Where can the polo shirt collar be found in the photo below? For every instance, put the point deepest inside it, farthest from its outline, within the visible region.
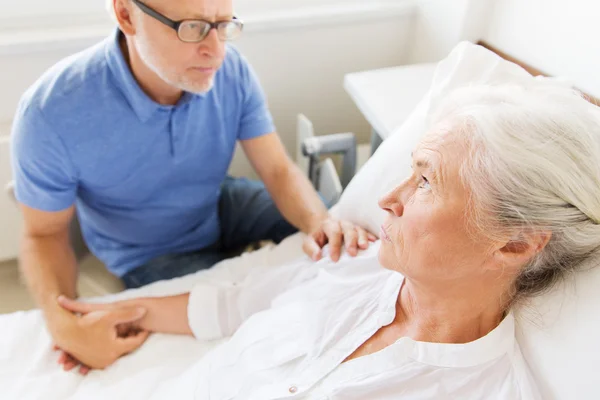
(140, 102)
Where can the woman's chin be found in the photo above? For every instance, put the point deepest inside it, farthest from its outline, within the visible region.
(384, 257)
(388, 259)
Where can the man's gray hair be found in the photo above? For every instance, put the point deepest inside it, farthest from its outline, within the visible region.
(534, 164)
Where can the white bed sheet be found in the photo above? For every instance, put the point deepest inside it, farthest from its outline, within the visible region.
(28, 368)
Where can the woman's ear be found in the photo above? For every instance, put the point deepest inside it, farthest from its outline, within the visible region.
(522, 247)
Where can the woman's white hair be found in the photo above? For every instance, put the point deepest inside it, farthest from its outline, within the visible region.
(534, 163)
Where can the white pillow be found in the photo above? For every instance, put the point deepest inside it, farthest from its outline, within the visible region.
(466, 64)
(559, 332)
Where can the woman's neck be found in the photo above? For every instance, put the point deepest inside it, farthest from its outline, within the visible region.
(452, 314)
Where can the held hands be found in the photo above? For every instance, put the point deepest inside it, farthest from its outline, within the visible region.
(337, 234)
(100, 335)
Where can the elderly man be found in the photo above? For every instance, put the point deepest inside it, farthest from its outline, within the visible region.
(137, 134)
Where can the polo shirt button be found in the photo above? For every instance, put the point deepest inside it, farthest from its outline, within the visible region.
(293, 389)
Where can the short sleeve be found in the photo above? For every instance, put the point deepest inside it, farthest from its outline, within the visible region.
(43, 172)
(256, 119)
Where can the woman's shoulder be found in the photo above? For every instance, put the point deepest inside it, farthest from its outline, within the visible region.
(359, 279)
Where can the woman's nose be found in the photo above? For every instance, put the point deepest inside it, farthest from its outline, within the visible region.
(391, 202)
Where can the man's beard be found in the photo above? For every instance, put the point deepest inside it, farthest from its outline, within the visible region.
(150, 58)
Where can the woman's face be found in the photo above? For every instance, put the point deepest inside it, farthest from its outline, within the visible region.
(426, 234)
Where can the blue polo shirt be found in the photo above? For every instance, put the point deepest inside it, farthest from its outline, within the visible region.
(145, 178)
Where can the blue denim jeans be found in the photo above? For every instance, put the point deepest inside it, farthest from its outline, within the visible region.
(247, 215)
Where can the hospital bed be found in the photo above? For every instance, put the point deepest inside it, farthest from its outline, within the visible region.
(558, 332)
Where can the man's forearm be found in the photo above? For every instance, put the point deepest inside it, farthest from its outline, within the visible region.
(297, 200)
(50, 269)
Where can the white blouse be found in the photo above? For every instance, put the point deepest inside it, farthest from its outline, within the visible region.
(297, 323)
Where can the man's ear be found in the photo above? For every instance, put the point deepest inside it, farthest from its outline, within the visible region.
(522, 247)
(123, 13)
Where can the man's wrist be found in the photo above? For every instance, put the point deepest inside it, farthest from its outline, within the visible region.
(61, 323)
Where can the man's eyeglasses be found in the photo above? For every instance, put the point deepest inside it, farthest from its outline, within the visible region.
(195, 30)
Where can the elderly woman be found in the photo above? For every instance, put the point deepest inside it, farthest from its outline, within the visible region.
(503, 201)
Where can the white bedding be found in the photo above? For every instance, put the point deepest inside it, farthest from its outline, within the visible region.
(28, 368)
(558, 334)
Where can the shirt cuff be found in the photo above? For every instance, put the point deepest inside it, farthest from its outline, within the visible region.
(203, 313)
(256, 128)
(43, 201)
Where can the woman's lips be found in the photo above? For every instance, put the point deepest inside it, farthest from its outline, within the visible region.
(384, 234)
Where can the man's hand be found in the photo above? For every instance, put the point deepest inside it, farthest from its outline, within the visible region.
(100, 336)
(336, 233)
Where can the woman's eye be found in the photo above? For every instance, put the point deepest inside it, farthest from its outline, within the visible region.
(424, 183)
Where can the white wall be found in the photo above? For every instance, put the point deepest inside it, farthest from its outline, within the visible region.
(558, 37)
(10, 224)
(441, 24)
(301, 66)
(302, 70)
(56, 13)
(18, 13)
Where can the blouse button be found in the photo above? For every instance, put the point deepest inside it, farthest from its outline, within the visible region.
(293, 389)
